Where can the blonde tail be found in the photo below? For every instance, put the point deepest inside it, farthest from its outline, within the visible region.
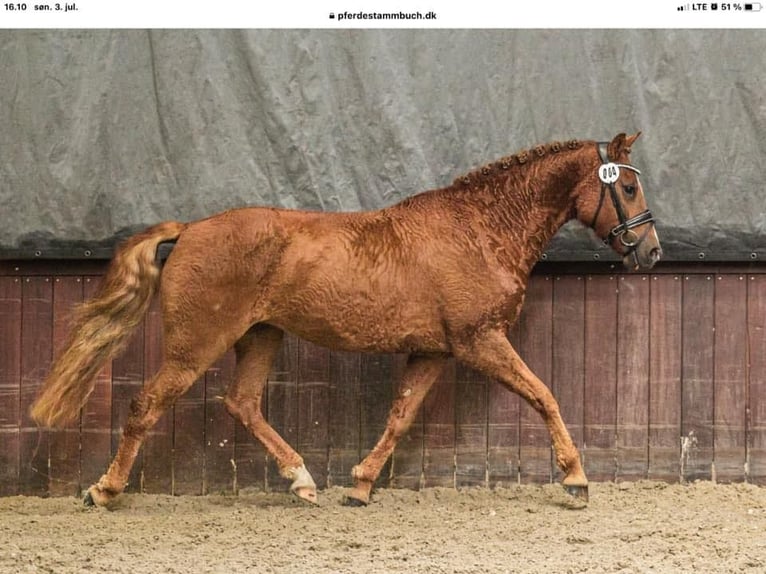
(102, 325)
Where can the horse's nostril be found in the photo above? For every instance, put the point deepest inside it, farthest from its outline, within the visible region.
(655, 254)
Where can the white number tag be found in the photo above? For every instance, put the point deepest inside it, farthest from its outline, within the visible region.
(609, 172)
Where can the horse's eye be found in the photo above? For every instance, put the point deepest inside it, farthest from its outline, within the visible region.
(630, 190)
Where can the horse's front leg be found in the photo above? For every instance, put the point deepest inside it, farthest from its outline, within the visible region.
(493, 355)
(419, 375)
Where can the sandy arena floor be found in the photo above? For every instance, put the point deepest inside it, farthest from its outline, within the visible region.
(629, 527)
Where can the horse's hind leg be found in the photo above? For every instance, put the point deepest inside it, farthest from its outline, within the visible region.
(420, 374)
(493, 355)
(255, 353)
(190, 346)
(171, 381)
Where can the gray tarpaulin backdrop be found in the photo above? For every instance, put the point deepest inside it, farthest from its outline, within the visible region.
(105, 132)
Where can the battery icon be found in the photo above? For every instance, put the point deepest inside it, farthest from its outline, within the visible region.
(754, 7)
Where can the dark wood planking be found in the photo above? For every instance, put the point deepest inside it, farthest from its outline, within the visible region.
(756, 378)
(378, 382)
(697, 377)
(189, 440)
(536, 347)
(471, 432)
(220, 439)
(344, 409)
(439, 430)
(157, 475)
(10, 383)
(254, 469)
(189, 425)
(600, 407)
(406, 466)
(730, 383)
(568, 367)
(56, 267)
(664, 416)
(250, 459)
(64, 443)
(96, 420)
(662, 268)
(36, 351)
(127, 380)
(283, 405)
(633, 377)
(51, 268)
(503, 423)
(665, 377)
(313, 441)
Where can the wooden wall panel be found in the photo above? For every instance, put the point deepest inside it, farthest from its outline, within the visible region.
(127, 381)
(345, 408)
(439, 430)
(536, 347)
(503, 423)
(471, 432)
(697, 394)
(220, 446)
(407, 462)
(730, 387)
(283, 406)
(665, 378)
(756, 379)
(247, 466)
(568, 353)
(36, 350)
(189, 440)
(96, 420)
(10, 383)
(64, 458)
(633, 377)
(157, 474)
(377, 386)
(313, 441)
(599, 448)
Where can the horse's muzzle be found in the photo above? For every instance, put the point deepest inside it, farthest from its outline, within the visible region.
(642, 259)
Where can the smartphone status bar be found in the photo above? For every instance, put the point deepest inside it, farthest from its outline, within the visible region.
(587, 14)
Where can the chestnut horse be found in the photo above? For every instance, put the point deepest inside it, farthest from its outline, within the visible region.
(441, 274)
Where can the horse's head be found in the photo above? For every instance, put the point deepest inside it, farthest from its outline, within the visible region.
(611, 201)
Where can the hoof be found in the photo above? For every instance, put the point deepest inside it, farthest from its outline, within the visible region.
(98, 497)
(303, 485)
(306, 493)
(577, 491)
(353, 502)
(88, 500)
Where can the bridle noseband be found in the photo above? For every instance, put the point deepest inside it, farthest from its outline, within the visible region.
(609, 173)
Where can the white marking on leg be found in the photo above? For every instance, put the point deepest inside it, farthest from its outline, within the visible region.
(301, 478)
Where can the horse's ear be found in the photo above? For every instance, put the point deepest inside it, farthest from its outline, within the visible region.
(621, 144)
(616, 147)
(629, 141)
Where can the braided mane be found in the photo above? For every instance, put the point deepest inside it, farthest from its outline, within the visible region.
(524, 157)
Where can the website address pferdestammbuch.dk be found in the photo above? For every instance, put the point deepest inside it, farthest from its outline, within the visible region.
(382, 16)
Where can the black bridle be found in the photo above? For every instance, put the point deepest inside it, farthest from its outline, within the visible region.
(609, 173)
